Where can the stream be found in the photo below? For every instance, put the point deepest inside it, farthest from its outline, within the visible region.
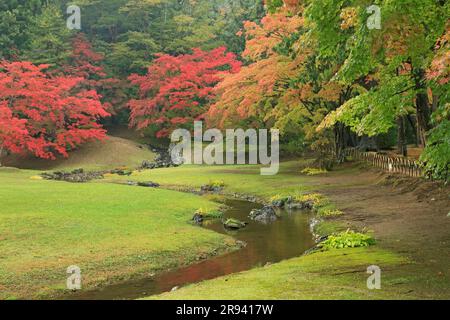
(285, 238)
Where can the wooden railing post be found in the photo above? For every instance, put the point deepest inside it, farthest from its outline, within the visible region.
(387, 163)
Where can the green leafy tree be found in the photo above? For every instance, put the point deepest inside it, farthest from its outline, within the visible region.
(50, 38)
(133, 54)
(389, 64)
(16, 24)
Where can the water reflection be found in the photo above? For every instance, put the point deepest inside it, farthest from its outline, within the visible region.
(288, 237)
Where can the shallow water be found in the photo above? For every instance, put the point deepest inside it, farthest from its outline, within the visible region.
(286, 238)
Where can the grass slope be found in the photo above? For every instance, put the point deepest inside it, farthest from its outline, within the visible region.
(112, 232)
(100, 155)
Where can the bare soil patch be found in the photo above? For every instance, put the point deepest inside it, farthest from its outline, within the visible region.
(408, 216)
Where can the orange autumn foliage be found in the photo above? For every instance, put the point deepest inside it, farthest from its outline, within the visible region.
(440, 66)
(242, 94)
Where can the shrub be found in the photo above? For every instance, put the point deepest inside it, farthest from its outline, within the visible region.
(347, 239)
(318, 203)
(216, 184)
(436, 156)
(316, 199)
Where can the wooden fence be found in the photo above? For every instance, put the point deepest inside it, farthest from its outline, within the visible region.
(391, 164)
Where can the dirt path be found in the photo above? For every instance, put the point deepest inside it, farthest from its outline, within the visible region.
(408, 216)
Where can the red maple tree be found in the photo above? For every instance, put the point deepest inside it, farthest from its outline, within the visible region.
(45, 115)
(86, 63)
(12, 131)
(177, 89)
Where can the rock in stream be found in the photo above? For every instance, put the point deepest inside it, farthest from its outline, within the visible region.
(234, 224)
(266, 214)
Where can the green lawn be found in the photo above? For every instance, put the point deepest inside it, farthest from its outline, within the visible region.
(115, 232)
(245, 179)
(241, 179)
(112, 232)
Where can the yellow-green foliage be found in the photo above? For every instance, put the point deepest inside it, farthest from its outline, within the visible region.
(209, 214)
(278, 197)
(320, 204)
(217, 183)
(201, 212)
(329, 211)
(316, 198)
(313, 171)
(347, 239)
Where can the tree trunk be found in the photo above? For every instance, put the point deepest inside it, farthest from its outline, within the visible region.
(423, 117)
(435, 103)
(402, 147)
(412, 122)
(339, 141)
(1, 154)
(353, 139)
(423, 109)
